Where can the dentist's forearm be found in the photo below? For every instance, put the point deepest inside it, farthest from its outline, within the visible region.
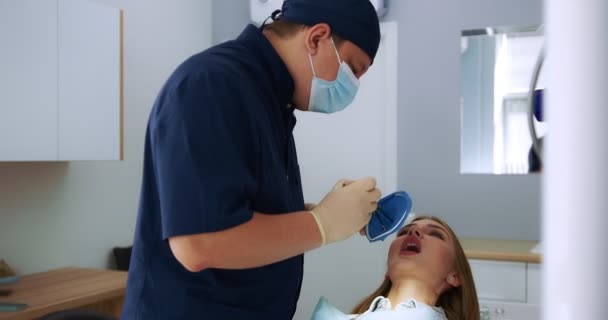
(263, 240)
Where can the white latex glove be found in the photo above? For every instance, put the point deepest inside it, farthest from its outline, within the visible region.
(309, 206)
(344, 183)
(346, 209)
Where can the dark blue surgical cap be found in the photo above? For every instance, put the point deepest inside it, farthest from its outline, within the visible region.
(352, 20)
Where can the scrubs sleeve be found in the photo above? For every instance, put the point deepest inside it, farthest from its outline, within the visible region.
(204, 150)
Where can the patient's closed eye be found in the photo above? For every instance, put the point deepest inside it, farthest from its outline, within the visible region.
(437, 234)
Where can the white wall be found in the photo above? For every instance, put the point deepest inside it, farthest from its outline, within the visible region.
(73, 213)
(229, 18)
(429, 120)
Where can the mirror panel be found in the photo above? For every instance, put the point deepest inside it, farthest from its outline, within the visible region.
(497, 65)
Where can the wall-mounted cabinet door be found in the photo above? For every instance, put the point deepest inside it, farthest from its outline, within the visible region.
(60, 81)
(28, 80)
(90, 81)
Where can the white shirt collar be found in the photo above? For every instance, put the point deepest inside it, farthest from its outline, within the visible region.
(381, 303)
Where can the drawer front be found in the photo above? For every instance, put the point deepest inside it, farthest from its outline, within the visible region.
(492, 310)
(534, 283)
(500, 281)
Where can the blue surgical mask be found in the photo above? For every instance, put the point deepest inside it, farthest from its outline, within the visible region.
(333, 96)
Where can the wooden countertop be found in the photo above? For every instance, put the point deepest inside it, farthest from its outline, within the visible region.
(502, 250)
(63, 289)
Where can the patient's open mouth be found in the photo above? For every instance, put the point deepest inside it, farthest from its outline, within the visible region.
(411, 245)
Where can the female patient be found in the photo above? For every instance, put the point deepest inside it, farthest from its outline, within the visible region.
(428, 271)
(428, 278)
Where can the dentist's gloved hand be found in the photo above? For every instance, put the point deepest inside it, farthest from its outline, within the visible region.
(310, 206)
(346, 209)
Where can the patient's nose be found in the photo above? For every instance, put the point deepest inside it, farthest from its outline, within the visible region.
(414, 232)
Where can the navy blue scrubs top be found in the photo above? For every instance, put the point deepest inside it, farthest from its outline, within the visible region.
(219, 146)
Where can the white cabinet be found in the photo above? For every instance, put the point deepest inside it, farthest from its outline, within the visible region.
(60, 81)
(507, 290)
(28, 80)
(89, 81)
(534, 283)
(497, 310)
(504, 281)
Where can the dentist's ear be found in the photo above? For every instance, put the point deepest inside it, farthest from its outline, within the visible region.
(453, 280)
(314, 35)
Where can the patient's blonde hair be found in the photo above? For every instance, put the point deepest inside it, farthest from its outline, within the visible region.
(459, 303)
